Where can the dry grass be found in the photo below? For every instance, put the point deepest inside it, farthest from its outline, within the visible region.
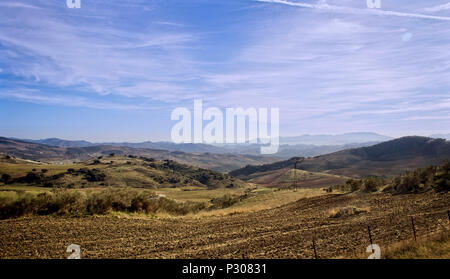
(197, 194)
(264, 199)
(346, 211)
(17, 170)
(436, 246)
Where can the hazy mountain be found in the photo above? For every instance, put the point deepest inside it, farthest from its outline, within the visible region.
(184, 147)
(46, 153)
(387, 158)
(61, 143)
(285, 150)
(341, 139)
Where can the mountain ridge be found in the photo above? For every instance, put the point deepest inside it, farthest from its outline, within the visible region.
(386, 158)
(46, 153)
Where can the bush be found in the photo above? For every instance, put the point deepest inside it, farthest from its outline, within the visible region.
(31, 178)
(354, 184)
(71, 202)
(6, 178)
(227, 200)
(372, 184)
(346, 211)
(92, 175)
(422, 180)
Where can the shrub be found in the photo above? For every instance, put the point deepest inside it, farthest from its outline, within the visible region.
(346, 211)
(31, 178)
(354, 184)
(371, 184)
(92, 175)
(6, 178)
(227, 200)
(70, 202)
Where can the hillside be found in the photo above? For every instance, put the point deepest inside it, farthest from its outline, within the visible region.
(387, 158)
(288, 178)
(46, 153)
(115, 171)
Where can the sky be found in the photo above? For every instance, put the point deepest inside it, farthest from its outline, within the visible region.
(115, 70)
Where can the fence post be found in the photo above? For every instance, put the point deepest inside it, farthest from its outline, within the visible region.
(314, 246)
(413, 228)
(370, 235)
(448, 213)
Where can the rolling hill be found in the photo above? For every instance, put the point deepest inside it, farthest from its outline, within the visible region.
(387, 158)
(46, 153)
(115, 171)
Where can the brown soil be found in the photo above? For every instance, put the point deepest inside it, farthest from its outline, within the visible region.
(284, 232)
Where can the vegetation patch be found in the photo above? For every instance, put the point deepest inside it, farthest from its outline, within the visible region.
(346, 211)
(72, 202)
(420, 180)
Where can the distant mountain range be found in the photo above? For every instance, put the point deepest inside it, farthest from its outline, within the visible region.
(340, 139)
(317, 140)
(306, 145)
(386, 158)
(47, 153)
(342, 159)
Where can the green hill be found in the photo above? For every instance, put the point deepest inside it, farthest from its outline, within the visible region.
(115, 171)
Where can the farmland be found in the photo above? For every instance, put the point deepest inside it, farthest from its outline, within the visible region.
(281, 232)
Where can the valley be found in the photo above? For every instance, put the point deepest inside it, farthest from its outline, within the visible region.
(120, 205)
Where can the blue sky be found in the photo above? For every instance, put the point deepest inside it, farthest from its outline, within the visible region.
(114, 70)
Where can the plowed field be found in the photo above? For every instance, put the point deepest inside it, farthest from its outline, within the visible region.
(283, 232)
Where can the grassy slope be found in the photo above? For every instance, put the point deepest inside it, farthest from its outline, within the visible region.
(286, 178)
(387, 158)
(123, 171)
(434, 247)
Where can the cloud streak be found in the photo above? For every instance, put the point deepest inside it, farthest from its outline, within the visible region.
(438, 8)
(348, 10)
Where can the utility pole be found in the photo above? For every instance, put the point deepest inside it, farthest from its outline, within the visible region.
(295, 174)
(297, 161)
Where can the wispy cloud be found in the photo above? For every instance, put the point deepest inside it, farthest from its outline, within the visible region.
(438, 8)
(18, 5)
(34, 96)
(95, 57)
(329, 66)
(348, 10)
